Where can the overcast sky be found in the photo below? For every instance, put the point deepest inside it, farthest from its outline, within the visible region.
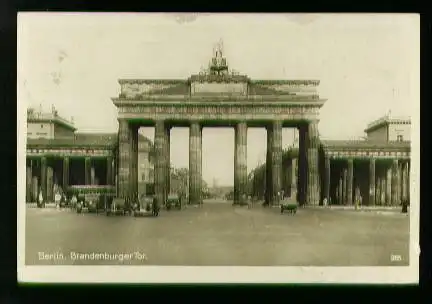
(73, 61)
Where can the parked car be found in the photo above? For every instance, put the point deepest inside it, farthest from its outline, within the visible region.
(173, 201)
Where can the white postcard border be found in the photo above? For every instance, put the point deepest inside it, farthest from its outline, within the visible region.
(165, 274)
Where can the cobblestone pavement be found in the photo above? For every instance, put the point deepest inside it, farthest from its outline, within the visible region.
(218, 234)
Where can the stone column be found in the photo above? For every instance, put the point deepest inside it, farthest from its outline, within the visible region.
(65, 173)
(29, 177)
(167, 142)
(35, 189)
(194, 163)
(92, 176)
(294, 178)
(50, 184)
(109, 173)
(160, 163)
(276, 160)
(388, 186)
(344, 186)
(313, 189)
(395, 183)
(114, 171)
(350, 181)
(123, 159)
(302, 164)
(401, 181)
(200, 166)
(372, 182)
(378, 192)
(408, 168)
(268, 168)
(383, 191)
(405, 180)
(43, 178)
(327, 170)
(240, 162)
(133, 162)
(87, 170)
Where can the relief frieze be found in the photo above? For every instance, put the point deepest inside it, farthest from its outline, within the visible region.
(220, 112)
(136, 89)
(69, 152)
(368, 154)
(214, 88)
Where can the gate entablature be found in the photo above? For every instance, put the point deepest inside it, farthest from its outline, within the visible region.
(218, 87)
(217, 93)
(201, 98)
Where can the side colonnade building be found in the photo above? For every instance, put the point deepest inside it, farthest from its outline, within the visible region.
(375, 170)
(59, 159)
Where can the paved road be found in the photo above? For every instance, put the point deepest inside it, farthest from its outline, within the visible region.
(219, 234)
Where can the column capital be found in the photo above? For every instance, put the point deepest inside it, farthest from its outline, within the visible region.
(277, 123)
(160, 123)
(194, 122)
(123, 122)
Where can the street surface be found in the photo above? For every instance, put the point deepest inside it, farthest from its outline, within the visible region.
(219, 235)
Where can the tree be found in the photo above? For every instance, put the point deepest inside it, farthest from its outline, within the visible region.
(180, 182)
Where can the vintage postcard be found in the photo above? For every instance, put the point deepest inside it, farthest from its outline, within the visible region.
(225, 148)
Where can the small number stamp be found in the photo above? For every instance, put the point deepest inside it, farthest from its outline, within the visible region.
(395, 258)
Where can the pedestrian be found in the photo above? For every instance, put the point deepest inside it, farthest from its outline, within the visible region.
(405, 205)
(57, 199)
(74, 201)
(40, 199)
(249, 202)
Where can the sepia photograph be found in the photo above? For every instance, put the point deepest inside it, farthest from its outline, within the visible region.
(224, 148)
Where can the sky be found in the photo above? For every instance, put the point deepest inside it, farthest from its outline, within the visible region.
(73, 61)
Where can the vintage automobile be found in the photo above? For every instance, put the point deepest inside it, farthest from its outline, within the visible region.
(142, 206)
(151, 206)
(89, 202)
(91, 198)
(64, 202)
(173, 201)
(118, 206)
(288, 205)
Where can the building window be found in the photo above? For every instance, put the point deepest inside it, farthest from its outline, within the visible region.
(400, 138)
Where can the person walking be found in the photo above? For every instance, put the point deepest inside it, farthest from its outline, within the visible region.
(57, 199)
(41, 199)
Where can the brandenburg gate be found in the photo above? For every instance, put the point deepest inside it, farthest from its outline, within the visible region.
(219, 98)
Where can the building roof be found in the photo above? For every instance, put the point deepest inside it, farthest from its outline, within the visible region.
(102, 140)
(386, 120)
(365, 144)
(49, 117)
(78, 140)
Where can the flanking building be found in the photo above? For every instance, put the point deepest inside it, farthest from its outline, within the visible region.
(60, 158)
(375, 169)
